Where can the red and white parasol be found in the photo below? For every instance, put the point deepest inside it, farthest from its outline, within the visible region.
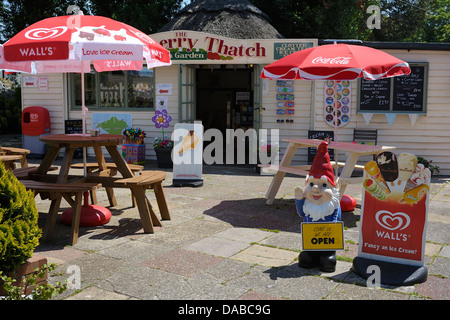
(70, 43)
(336, 62)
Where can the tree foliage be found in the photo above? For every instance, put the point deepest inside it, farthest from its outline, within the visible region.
(401, 20)
(147, 16)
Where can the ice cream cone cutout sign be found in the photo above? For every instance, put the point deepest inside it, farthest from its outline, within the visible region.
(319, 202)
(190, 142)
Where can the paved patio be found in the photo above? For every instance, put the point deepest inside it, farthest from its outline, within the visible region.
(224, 242)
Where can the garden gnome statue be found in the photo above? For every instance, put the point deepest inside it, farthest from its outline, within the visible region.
(319, 201)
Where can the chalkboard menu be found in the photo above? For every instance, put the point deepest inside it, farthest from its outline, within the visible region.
(321, 135)
(375, 94)
(402, 93)
(409, 90)
(74, 126)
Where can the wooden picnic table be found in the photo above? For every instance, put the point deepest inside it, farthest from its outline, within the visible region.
(70, 142)
(353, 152)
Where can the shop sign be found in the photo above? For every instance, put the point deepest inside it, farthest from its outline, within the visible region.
(322, 236)
(394, 209)
(205, 48)
(281, 50)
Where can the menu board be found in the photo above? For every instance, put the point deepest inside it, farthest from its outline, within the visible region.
(409, 90)
(74, 126)
(401, 93)
(321, 135)
(375, 94)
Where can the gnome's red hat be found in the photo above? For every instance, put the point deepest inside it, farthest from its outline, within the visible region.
(321, 165)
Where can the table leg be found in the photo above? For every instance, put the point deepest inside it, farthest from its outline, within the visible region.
(347, 171)
(75, 229)
(143, 208)
(51, 219)
(279, 176)
(122, 166)
(161, 199)
(65, 165)
(49, 158)
(102, 166)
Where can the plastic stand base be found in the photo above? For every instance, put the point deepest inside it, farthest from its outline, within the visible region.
(187, 183)
(391, 273)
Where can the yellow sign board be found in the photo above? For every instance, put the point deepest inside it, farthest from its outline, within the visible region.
(323, 236)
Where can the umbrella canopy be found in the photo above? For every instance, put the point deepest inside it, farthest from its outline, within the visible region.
(73, 38)
(70, 43)
(336, 62)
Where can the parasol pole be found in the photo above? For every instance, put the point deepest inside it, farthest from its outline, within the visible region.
(336, 168)
(83, 116)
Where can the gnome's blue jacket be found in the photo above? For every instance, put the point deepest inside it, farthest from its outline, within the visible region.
(334, 217)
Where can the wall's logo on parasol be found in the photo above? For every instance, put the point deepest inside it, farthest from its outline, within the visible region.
(335, 60)
(144, 37)
(392, 221)
(45, 33)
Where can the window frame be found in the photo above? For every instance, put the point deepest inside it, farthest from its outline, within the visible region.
(391, 94)
(97, 107)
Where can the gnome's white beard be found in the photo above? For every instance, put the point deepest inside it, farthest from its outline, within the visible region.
(320, 211)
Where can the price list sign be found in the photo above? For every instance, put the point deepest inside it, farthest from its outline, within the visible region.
(398, 94)
(409, 90)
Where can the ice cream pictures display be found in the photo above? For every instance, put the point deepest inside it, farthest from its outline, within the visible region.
(394, 208)
(337, 94)
(395, 178)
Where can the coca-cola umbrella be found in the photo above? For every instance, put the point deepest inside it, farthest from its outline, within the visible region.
(69, 44)
(336, 62)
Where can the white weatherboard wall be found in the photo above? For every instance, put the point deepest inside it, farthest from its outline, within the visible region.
(53, 100)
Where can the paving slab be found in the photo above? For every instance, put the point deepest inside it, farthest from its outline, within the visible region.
(217, 246)
(266, 256)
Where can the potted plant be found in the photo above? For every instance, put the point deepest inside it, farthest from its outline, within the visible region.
(133, 149)
(427, 164)
(163, 146)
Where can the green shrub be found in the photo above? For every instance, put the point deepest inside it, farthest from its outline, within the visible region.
(19, 231)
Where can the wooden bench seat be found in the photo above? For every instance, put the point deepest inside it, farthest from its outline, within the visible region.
(55, 191)
(9, 160)
(91, 166)
(149, 180)
(112, 167)
(19, 152)
(24, 173)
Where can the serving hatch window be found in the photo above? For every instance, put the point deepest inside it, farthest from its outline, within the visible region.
(114, 90)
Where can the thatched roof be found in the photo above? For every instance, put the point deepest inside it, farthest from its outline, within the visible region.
(238, 19)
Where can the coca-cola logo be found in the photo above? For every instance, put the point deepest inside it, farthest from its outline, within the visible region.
(335, 60)
(392, 221)
(45, 33)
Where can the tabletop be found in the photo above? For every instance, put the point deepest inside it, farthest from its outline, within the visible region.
(78, 140)
(344, 146)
